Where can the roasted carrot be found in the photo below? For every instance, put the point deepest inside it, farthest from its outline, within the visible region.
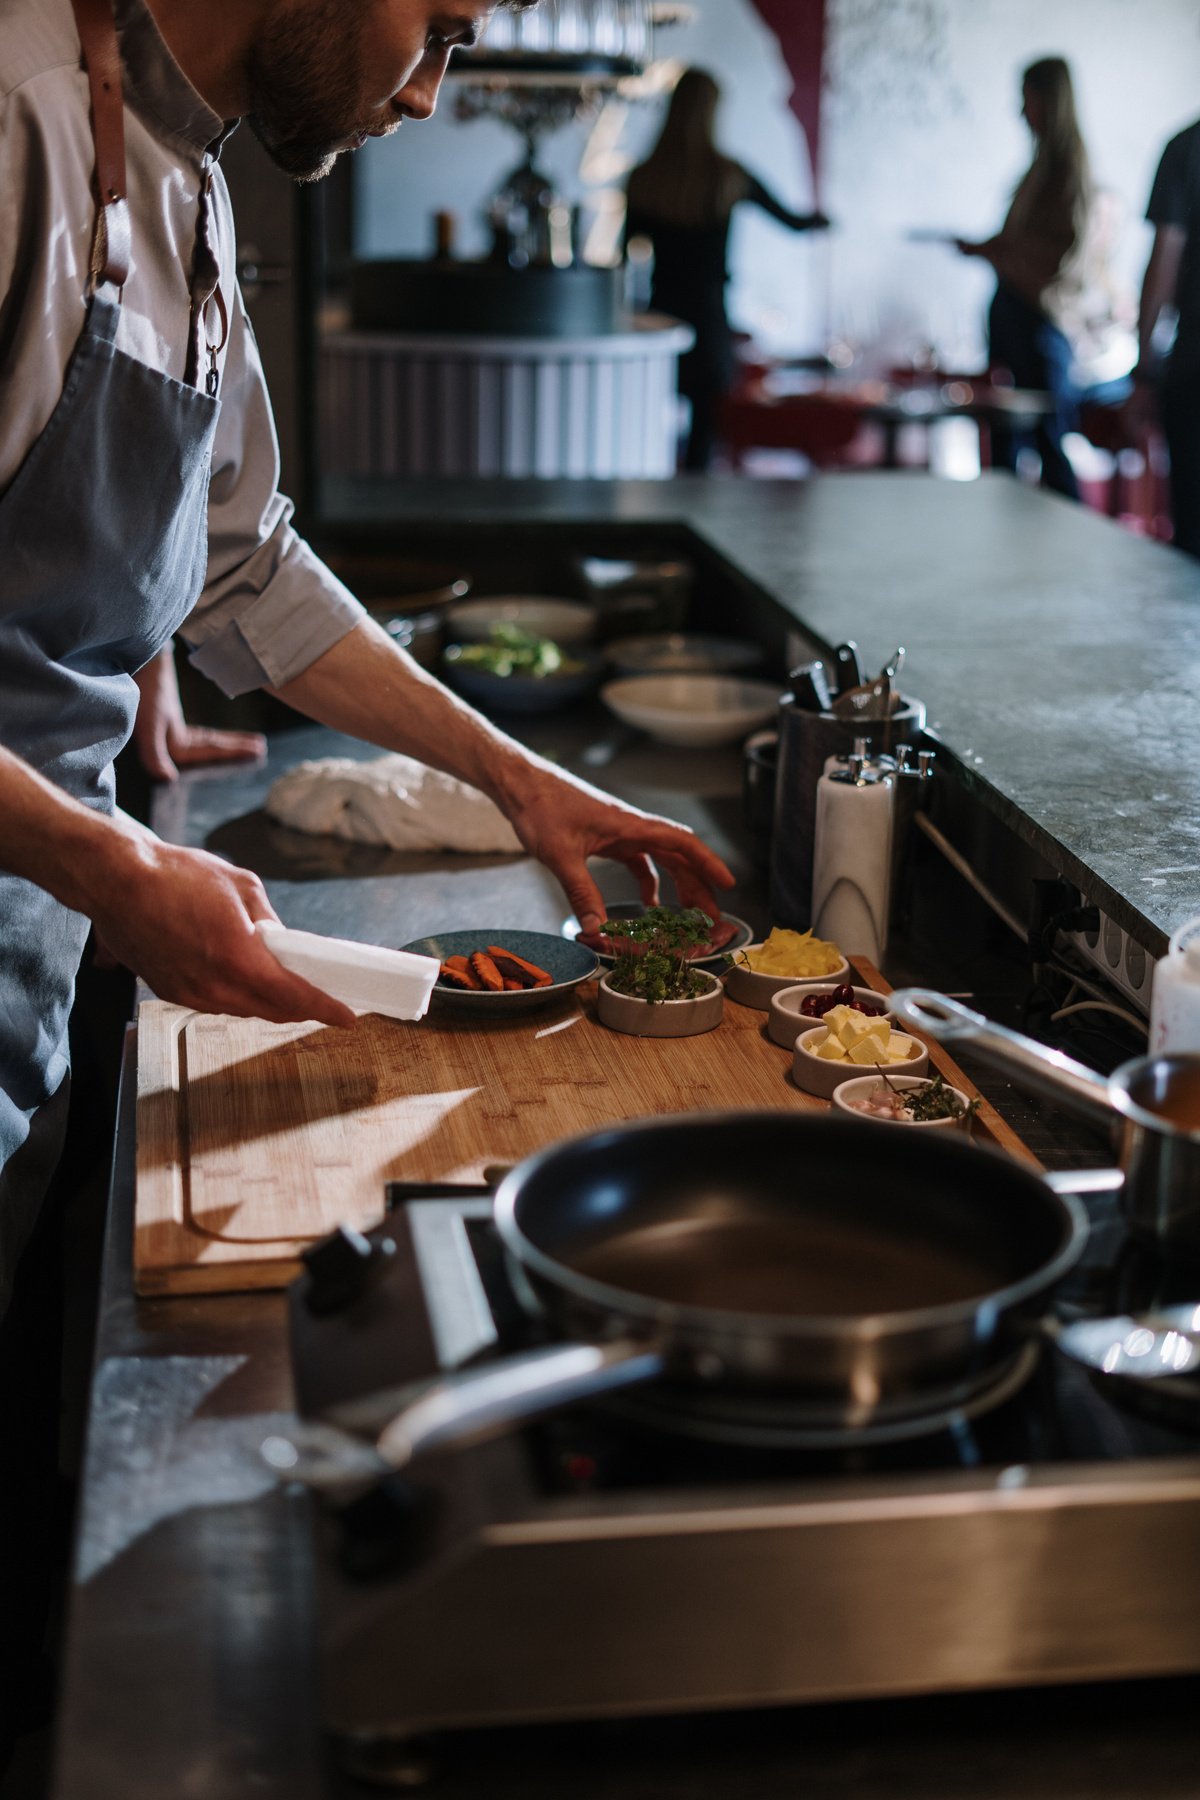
(486, 972)
(511, 973)
(510, 984)
(527, 973)
(456, 976)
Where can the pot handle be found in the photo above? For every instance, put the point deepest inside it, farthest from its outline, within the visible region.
(1033, 1065)
(458, 1409)
(475, 1404)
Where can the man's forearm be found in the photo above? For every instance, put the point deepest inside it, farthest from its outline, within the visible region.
(180, 918)
(53, 840)
(369, 688)
(366, 686)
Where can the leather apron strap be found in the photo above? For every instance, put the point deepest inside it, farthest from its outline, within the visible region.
(113, 246)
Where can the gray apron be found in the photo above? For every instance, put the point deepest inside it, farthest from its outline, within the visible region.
(103, 547)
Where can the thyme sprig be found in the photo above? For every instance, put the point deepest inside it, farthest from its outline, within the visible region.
(935, 1100)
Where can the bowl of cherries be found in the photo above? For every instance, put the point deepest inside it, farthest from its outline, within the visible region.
(797, 1009)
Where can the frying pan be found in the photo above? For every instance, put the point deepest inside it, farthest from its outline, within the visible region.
(844, 1268)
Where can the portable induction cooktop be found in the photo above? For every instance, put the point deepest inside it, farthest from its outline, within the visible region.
(659, 1552)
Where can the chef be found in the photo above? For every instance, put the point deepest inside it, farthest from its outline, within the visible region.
(138, 498)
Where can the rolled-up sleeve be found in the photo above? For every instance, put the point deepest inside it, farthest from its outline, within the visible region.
(270, 607)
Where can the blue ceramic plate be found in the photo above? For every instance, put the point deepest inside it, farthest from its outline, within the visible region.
(568, 963)
(631, 909)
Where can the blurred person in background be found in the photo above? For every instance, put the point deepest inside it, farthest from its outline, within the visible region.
(682, 199)
(1043, 256)
(1169, 384)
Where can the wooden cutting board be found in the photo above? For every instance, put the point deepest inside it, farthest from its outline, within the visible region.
(255, 1139)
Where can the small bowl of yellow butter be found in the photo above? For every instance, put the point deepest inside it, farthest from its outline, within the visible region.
(784, 959)
(848, 1043)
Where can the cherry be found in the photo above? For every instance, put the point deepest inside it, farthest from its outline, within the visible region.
(815, 1006)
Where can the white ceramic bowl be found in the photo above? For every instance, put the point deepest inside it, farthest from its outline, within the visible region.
(785, 1021)
(566, 621)
(816, 1076)
(681, 653)
(749, 988)
(666, 1018)
(860, 1086)
(692, 710)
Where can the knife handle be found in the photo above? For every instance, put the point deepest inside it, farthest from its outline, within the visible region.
(847, 668)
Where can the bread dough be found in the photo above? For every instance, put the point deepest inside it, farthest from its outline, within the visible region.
(392, 801)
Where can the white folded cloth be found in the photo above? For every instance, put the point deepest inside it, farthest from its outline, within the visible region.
(393, 801)
(366, 977)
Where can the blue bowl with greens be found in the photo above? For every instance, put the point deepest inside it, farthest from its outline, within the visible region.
(516, 671)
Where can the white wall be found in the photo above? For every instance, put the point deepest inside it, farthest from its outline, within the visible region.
(921, 129)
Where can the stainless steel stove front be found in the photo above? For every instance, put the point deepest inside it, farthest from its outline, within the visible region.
(485, 1598)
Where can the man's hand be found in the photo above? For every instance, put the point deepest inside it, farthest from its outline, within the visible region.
(366, 686)
(181, 919)
(163, 739)
(562, 821)
(184, 921)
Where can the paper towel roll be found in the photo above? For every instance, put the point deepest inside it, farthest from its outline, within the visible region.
(852, 861)
(365, 977)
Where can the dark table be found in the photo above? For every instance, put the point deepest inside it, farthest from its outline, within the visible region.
(819, 418)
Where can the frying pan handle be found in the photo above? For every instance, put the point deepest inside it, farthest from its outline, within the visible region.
(481, 1403)
(1024, 1060)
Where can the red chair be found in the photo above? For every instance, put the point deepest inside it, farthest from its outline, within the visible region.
(820, 428)
(1137, 491)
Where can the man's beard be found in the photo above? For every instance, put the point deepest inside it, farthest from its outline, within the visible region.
(306, 82)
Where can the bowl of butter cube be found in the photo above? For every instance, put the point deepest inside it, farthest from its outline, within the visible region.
(848, 1042)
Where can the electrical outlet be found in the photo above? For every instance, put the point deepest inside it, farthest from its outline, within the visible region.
(1121, 960)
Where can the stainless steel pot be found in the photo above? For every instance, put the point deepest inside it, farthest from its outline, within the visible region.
(1152, 1102)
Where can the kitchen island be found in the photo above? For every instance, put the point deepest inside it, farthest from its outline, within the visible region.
(1057, 654)
(190, 1666)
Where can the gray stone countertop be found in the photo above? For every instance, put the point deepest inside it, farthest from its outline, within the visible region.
(1058, 654)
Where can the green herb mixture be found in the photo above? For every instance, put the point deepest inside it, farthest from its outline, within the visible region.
(511, 651)
(937, 1101)
(651, 953)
